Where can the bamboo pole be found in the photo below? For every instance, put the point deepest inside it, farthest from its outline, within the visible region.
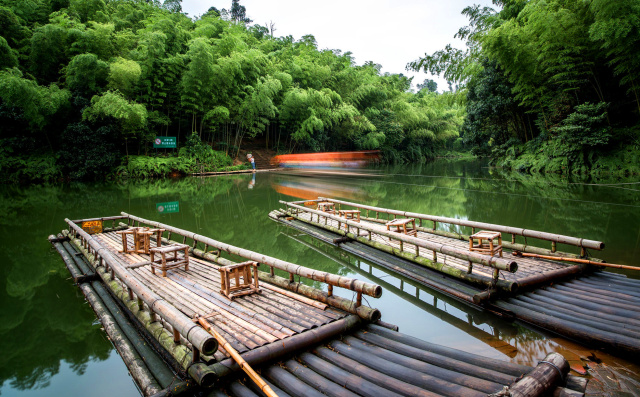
(579, 242)
(429, 376)
(356, 384)
(139, 371)
(289, 345)
(290, 383)
(316, 275)
(241, 362)
(575, 260)
(480, 362)
(576, 331)
(549, 372)
(324, 384)
(490, 261)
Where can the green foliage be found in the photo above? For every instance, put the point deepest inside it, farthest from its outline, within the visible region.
(36, 103)
(540, 72)
(131, 116)
(88, 153)
(86, 74)
(19, 167)
(124, 75)
(586, 127)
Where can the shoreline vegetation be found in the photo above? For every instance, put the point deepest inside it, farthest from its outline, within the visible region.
(87, 86)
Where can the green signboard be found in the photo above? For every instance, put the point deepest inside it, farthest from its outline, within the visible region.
(165, 142)
(168, 207)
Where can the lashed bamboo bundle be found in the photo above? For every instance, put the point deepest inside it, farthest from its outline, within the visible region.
(555, 238)
(490, 261)
(316, 275)
(197, 336)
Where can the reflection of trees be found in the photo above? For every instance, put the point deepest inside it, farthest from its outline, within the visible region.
(43, 318)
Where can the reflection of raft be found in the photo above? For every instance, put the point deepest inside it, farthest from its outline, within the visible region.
(598, 308)
(335, 346)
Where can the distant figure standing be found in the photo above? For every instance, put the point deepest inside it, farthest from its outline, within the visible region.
(252, 161)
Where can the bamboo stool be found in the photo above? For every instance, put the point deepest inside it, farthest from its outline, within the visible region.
(248, 284)
(401, 226)
(326, 206)
(350, 214)
(123, 234)
(485, 242)
(165, 263)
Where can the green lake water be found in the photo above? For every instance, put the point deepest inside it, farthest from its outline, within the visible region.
(52, 345)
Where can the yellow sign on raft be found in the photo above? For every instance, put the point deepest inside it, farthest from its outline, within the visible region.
(92, 227)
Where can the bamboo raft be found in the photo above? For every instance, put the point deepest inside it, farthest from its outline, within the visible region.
(301, 341)
(573, 299)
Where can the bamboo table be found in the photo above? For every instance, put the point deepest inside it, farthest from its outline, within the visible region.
(327, 206)
(141, 239)
(248, 285)
(165, 263)
(401, 226)
(485, 242)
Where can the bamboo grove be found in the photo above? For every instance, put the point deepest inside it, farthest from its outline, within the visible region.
(84, 84)
(552, 85)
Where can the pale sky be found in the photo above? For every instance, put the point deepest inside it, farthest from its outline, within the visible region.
(390, 33)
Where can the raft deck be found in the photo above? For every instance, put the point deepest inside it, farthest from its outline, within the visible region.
(597, 308)
(335, 352)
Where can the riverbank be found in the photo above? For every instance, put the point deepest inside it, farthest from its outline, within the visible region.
(550, 158)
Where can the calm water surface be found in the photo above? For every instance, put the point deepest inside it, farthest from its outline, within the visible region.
(50, 340)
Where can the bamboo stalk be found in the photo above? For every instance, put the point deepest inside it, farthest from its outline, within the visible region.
(575, 260)
(356, 384)
(372, 375)
(290, 383)
(130, 356)
(241, 362)
(428, 376)
(316, 275)
(473, 359)
(545, 375)
(579, 242)
(319, 382)
(289, 345)
(316, 304)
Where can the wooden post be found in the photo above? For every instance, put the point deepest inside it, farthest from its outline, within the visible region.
(241, 362)
(176, 336)
(359, 299)
(329, 290)
(553, 246)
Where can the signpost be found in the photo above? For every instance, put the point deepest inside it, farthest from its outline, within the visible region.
(92, 227)
(165, 142)
(168, 207)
